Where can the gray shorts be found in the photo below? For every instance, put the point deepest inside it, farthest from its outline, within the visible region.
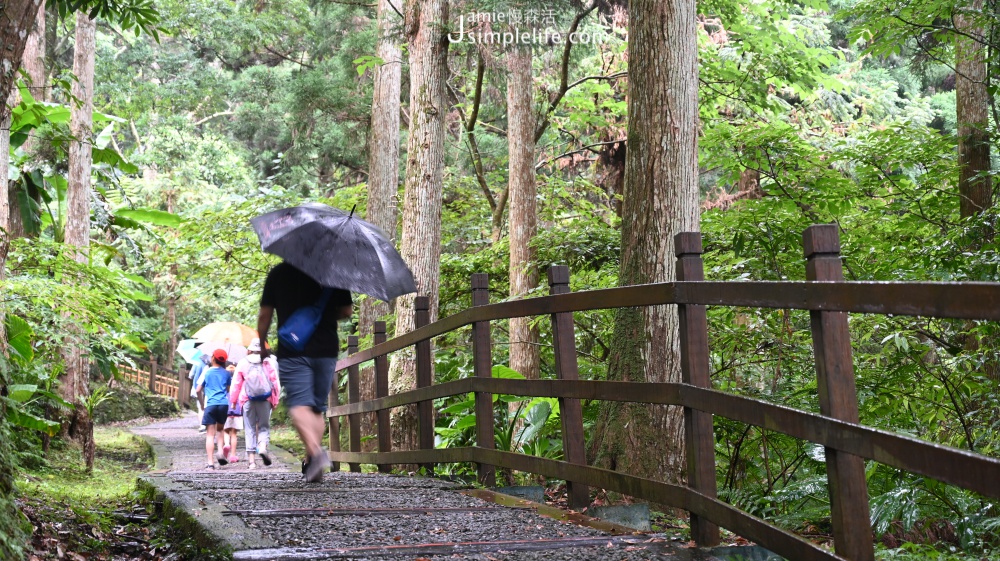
(306, 381)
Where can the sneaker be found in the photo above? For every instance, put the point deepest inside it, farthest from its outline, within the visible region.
(221, 459)
(251, 465)
(225, 450)
(305, 464)
(233, 459)
(209, 466)
(265, 457)
(201, 428)
(316, 467)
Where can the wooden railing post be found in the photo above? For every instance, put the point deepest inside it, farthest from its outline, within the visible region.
(181, 387)
(152, 374)
(333, 400)
(482, 350)
(382, 390)
(425, 378)
(699, 436)
(570, 410)
(354, 396)
(852, 531)
(183, 390)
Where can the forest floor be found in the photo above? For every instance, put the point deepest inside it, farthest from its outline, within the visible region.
(98, 516)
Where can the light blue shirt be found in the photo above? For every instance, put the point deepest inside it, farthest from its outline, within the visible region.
(216, 381)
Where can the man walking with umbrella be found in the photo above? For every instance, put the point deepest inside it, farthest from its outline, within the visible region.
(322, 247)
(306, 373)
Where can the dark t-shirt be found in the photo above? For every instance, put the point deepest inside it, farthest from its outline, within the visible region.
(288, 289)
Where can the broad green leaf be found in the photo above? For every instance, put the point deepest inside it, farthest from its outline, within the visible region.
(19, 336)
(29, 421)
(151, 216)
(140, 296)
(460, 407)
(104, 137)
(22, 393)
(501, 371)
(138, 279)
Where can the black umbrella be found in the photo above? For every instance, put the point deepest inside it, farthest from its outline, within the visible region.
(336, 249)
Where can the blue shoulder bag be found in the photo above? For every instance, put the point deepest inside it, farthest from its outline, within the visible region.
(301, 325)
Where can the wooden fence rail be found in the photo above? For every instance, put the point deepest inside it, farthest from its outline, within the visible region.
(157, 379)
(836, 427)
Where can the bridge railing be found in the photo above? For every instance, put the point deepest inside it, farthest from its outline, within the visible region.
(848, 443)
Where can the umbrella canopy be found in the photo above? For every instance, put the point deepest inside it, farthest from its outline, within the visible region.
(226, 331)
(187, 350)
(235, 351)
(336, 249)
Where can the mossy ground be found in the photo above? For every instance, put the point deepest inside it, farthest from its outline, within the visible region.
(99, 515)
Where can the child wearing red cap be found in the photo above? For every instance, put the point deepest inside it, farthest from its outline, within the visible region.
(215, 383)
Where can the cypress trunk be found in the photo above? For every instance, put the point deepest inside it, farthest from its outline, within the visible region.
(972, 104)
(660, 199)
(383, 174)
(33, 63)
(74, 381)
(426, 22)
(523, 216)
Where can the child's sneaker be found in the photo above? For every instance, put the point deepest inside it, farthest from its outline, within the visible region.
(233, 459)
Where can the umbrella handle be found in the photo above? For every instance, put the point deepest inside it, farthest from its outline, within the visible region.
(352, 210)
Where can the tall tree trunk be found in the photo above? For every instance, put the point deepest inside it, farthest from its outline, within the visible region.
(972, 103)
(4, 217)
(421, 243)
(383, 172)
(16, 20)
(523, 217)
(172, 290)
(33, 62)
(660, 199)
(74, 386)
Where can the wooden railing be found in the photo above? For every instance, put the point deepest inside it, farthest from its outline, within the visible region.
(847, 442)
(157, 379)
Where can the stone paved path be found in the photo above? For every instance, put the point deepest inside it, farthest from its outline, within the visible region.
(272, 514)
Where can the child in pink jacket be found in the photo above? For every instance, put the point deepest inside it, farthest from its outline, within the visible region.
(255, 387)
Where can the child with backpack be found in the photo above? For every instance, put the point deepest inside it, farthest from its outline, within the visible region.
(255, 387)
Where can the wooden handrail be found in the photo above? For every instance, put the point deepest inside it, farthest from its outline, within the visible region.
(975, 300)
(958, 467)
(847, 442)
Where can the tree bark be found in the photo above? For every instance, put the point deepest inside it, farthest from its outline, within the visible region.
(33, 62)
(972, 104)
(16, 20)
(74, 387)
(172, 290)
(383, 173)
(15, 25)
(523, 216)
(660, 199)
(4, 217)
(421, 242)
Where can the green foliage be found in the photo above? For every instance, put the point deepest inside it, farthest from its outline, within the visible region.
(13, 526)
(840, 112)
(138, 15)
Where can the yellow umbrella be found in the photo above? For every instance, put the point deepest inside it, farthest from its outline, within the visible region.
(226, 332)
